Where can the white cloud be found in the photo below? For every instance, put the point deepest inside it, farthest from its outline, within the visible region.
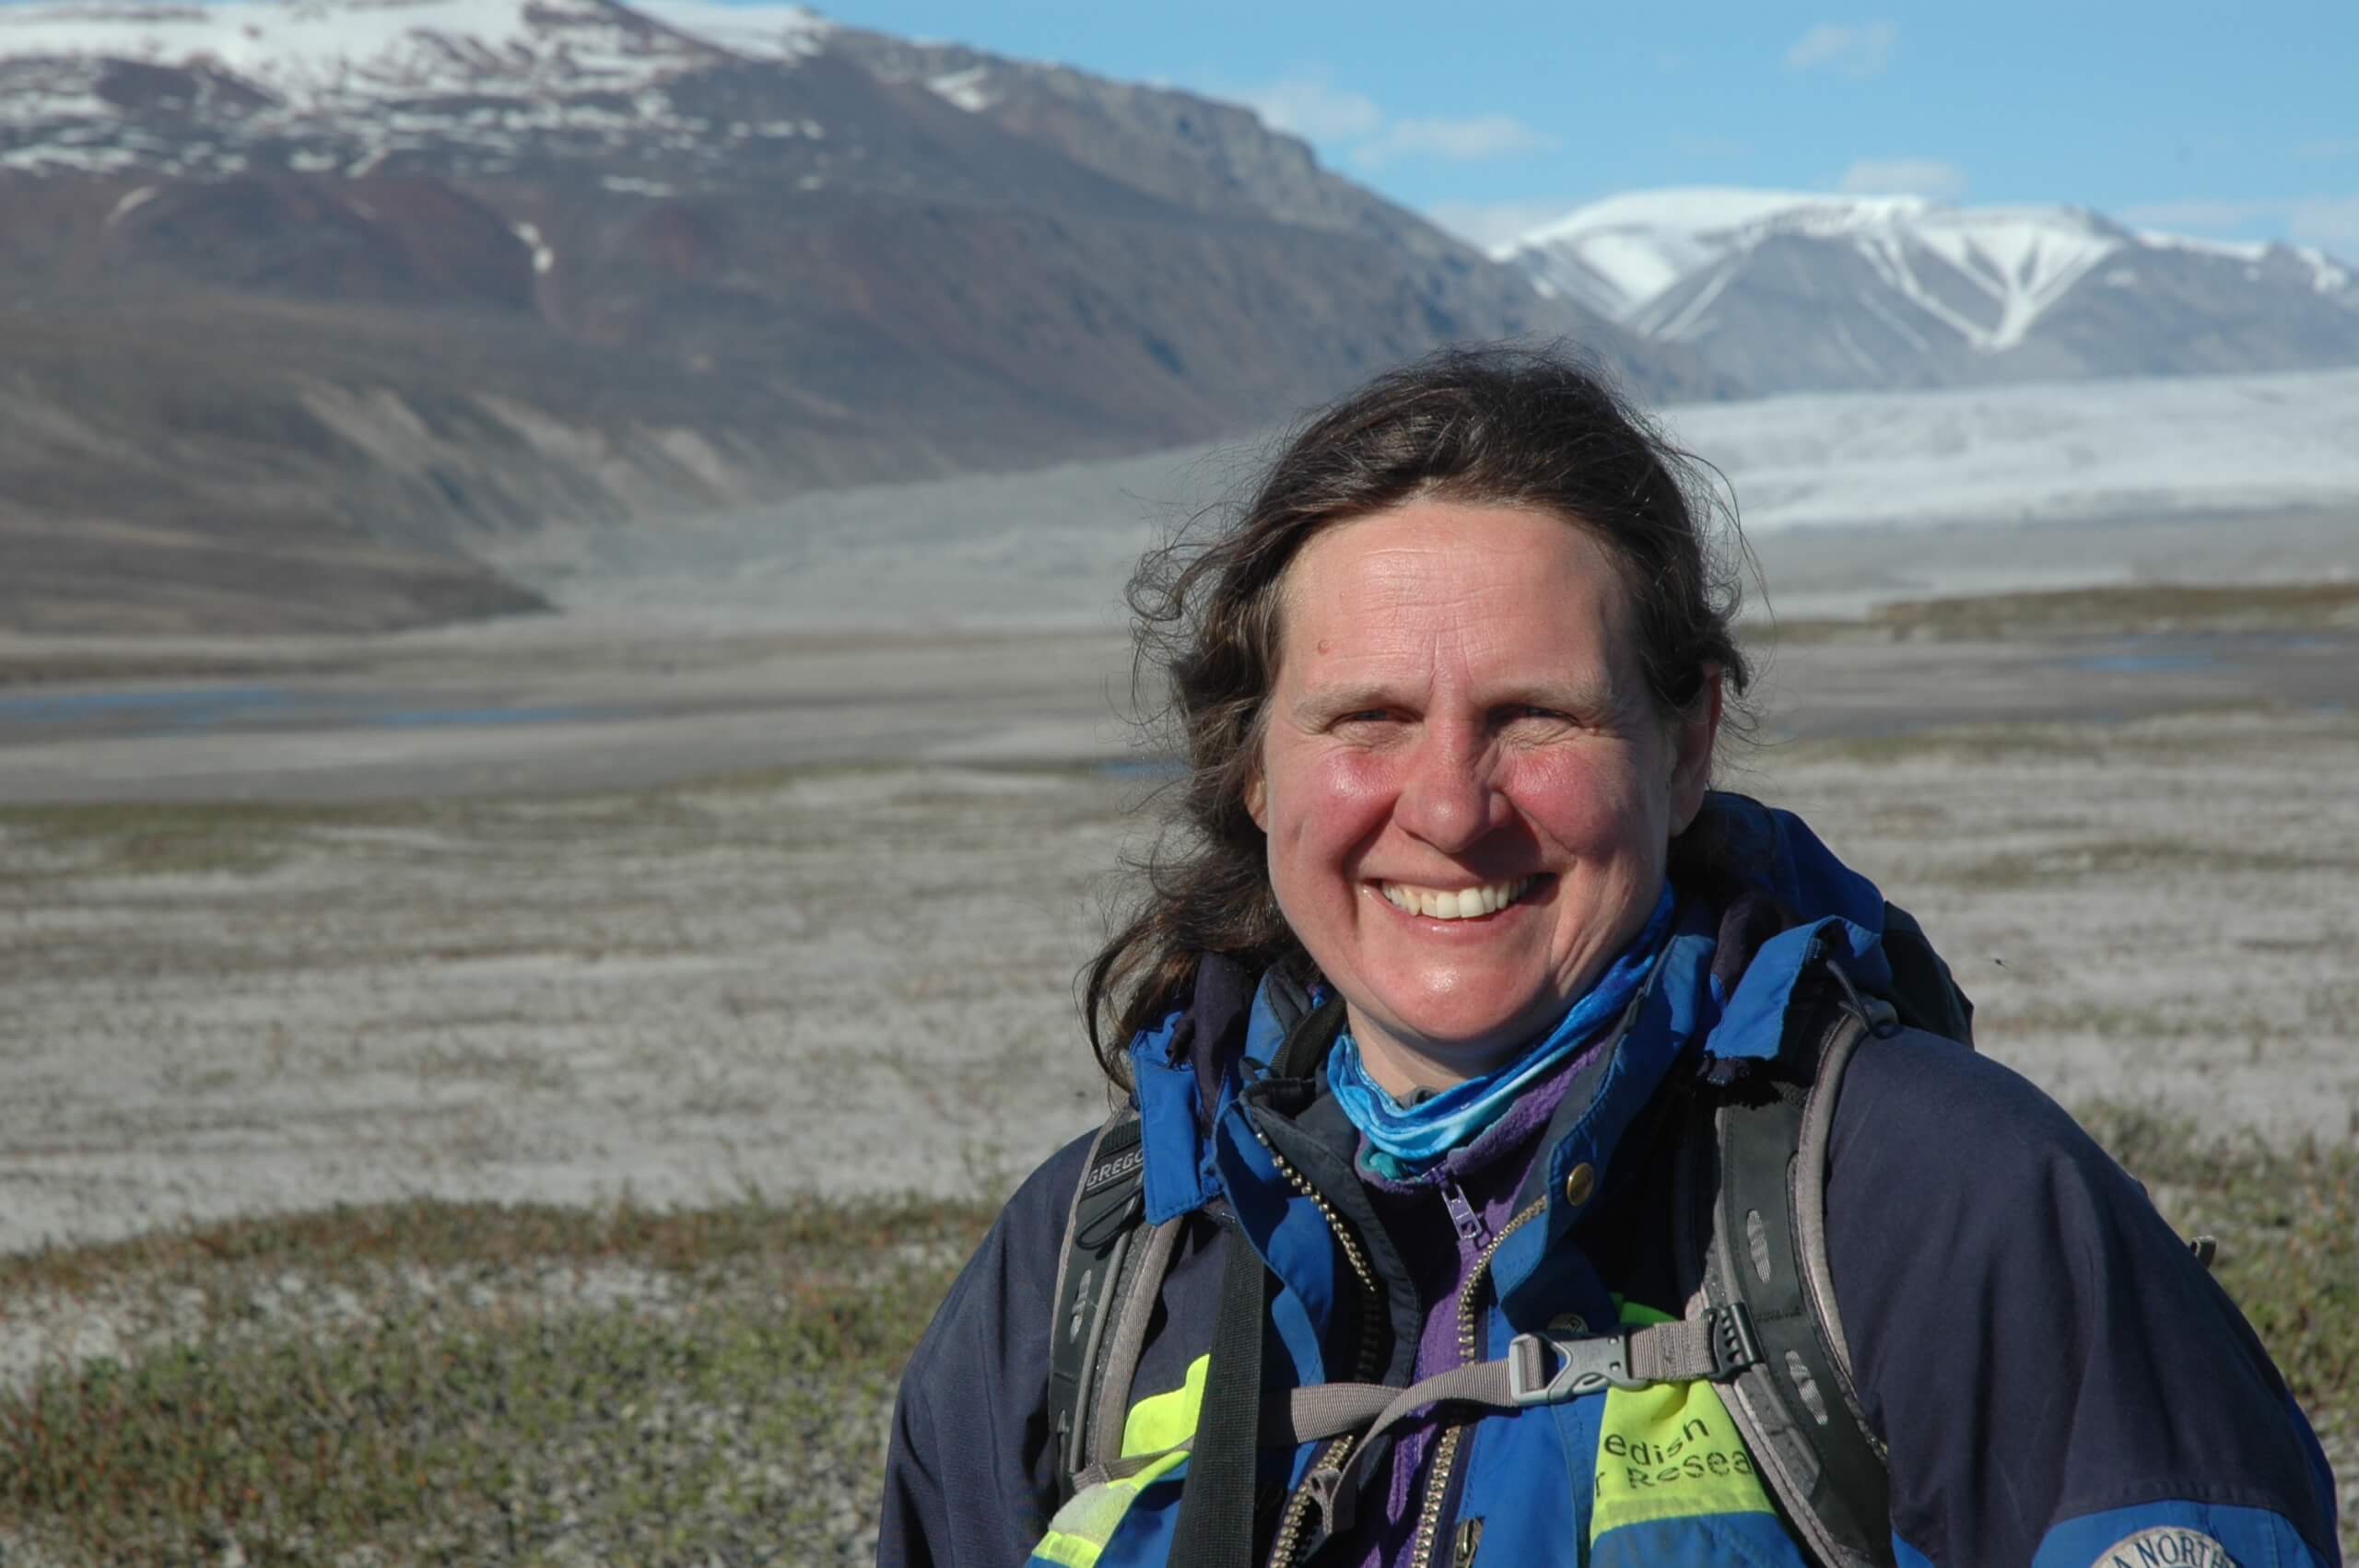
(1488, 224)
(2331, 222)
(1854, 51)
(1480, 135)
(1903, 175)
(1311, 106)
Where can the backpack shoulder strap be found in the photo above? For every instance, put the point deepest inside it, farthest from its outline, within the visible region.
(1107, 1279)
(1753, 1170)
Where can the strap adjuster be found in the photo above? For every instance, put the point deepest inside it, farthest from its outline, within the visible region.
(1583, 1365)
(1735, 1344)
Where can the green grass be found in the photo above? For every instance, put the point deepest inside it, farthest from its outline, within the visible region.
(415, 1383)
(246, 837)
(164, 839)
(57, 841)
(2073, 864)
(404, 1384)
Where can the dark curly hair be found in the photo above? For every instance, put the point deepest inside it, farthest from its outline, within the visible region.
(1506, 427)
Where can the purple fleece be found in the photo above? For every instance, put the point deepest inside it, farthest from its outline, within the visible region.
(1489, 1172)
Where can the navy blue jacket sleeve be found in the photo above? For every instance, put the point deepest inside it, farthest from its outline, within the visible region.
(2060, 1381)
(970, 1481)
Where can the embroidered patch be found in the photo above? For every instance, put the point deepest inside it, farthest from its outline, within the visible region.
(1669, 1451)
(2165, 1546)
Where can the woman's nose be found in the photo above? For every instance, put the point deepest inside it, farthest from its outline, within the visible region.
(1450, 797)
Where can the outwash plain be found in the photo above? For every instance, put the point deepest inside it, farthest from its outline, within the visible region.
(513, 1093)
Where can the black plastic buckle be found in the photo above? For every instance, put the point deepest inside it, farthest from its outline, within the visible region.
(1735, 1345)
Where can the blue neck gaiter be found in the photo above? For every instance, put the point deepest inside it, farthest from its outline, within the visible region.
(1407, 1141)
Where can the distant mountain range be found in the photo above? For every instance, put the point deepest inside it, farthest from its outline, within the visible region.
(307, 301)
(1787, 291)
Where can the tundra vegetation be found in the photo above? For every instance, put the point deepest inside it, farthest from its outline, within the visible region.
(564, 1179)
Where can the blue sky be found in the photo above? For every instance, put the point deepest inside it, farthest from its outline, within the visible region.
(2234, 121)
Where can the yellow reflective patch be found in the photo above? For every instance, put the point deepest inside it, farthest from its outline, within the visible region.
(1156, 1426)
(1083, 1526)
(1070, 1550)
(1669, 1452)
(1166, 1421)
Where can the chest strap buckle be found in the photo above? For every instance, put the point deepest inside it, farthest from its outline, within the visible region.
(1583, 1365)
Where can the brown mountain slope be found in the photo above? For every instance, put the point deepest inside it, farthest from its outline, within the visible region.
(271, 366)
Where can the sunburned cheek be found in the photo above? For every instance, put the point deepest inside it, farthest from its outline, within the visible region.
(1349, 781)
(1580, 800)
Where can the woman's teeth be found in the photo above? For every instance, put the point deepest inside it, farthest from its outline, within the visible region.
(1440, 904)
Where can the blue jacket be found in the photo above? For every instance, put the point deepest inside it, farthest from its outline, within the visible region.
(2057, 1381)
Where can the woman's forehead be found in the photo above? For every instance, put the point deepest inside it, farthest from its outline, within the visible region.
(1492, 576)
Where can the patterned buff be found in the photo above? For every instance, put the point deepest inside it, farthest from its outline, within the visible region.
(1407, 1141)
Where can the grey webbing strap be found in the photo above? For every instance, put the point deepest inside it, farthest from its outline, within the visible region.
(1119, 1363)
(1325, 1410)
(1811, 1164)
(1099, 1239)
(1536, 1370)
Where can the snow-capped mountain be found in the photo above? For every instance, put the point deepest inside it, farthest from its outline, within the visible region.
(1790, 290)
(313, 58)
(341, 87)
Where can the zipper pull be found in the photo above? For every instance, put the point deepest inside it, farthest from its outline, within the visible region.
(1462, 1214)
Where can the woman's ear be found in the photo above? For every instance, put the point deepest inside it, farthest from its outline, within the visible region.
(1693, 734)
(1257, 801)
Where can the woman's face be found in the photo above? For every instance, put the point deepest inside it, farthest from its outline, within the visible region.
(1467, 789)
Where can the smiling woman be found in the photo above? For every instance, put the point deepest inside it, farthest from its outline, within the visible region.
(1467, 791)
(1526, 1151)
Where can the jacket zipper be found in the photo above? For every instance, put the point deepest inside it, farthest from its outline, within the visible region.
(1446, 1450)
(1332, 1457)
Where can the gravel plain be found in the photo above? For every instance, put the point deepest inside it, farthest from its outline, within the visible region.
(859, 979)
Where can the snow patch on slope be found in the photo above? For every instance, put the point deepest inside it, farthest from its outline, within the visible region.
(321, 55)
(1619, 253)
(963, 88)
(2024, 258)
(2326, 274)
(131, 202)
(758, 32)
(544, 258)
(306, 53)
(320, 86)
